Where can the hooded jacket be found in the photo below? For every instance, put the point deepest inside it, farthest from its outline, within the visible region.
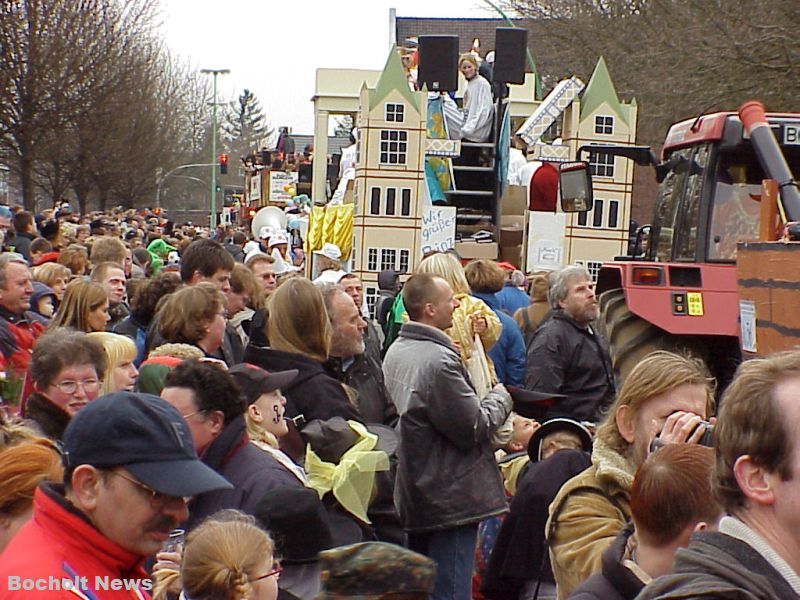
(586, 515)
(615, 581)
(61, 543)
(447, 475)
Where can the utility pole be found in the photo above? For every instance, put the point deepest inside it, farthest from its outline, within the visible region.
(214, 72)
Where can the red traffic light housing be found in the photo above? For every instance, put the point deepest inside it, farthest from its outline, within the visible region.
(223, 164)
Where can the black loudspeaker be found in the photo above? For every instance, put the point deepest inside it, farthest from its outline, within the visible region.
(511, 44)
(438, 63)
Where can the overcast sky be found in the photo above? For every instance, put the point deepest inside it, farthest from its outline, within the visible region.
(274, 48)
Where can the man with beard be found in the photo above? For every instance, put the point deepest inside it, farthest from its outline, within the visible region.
(566, 356)
(666, 396)
(350, 362)
(129, 466)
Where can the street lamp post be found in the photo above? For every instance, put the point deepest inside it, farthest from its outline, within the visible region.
(214, 72)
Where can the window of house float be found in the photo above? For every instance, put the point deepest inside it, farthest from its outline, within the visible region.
(395, 113)
(394, 145)
(403, 264)
(388, 259)
(391, 197)
(375, 201)
(405, 202)
(613, 214)
(601, 164)
(583, 218)
(603, 125)
(597, 220)
(371, 295)
(372, 259)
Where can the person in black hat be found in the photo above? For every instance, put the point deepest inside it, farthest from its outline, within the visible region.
(129, 465)
(266, 405)
(519, 562)
(212, 404)
(297, 521)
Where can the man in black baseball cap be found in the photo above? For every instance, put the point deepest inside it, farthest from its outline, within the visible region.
(130, 468)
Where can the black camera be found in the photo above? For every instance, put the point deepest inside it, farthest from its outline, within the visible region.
(707, 439)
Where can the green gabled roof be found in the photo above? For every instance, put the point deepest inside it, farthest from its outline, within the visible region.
(393, 78)
(601, 89)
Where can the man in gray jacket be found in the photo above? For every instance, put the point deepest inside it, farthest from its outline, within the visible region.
(447, 479)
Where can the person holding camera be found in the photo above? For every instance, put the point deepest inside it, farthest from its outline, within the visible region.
(666, 397)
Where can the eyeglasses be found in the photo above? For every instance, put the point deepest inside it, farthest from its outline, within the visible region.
(158, 501)
(70, 387)
(191, 414)
(276, 571)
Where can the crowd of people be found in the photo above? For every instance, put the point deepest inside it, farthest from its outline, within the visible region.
(186, 415)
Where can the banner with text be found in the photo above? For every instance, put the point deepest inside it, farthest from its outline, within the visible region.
(438, 228)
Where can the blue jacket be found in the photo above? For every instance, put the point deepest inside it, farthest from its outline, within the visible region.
(510, 299)
(508, 354)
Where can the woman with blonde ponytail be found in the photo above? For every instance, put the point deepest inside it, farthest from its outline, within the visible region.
(229, 560)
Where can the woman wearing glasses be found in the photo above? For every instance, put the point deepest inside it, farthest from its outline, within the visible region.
(230, 559)
(66, 369)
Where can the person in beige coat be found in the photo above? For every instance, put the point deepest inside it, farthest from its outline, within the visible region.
(667, 396)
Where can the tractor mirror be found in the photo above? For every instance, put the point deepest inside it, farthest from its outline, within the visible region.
(575, 186)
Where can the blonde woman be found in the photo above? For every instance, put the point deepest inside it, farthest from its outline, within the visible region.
(121, 352)
(472, 315)
(85, 307)
(227, 557)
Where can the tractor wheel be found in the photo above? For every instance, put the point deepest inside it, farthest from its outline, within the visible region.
(631, 338)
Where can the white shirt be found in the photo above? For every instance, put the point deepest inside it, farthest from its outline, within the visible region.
(478, 110)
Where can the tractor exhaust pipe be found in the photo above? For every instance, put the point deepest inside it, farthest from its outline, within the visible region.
(769, 154)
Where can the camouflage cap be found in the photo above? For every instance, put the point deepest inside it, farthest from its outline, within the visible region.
(372, 569)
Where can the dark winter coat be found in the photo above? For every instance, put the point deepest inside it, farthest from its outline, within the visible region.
(364, 375)
(46, 417)
(447, 475)
(719, 566)
(252, 472)
(565, 358)
(520, 553)
(313, 394)
(615, 581)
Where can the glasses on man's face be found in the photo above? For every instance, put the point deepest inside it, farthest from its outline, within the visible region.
(276, 572)
(70, 387)
(158, 501)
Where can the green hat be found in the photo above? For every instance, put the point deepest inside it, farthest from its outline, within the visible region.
(160, 248)
(369, 570)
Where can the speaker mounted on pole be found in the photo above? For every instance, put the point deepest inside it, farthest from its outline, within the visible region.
(511, 44)
(438, 63)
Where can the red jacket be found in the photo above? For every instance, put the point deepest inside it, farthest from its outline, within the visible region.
(58, 547)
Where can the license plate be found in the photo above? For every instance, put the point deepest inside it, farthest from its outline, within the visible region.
(791, 135)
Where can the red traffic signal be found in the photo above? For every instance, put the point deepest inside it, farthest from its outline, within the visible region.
(223, 164)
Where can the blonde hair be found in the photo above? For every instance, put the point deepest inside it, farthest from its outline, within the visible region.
(49, 272)
(446, 266)
(221, 556)
(298, 321)
(468, 57)
(81, 298)
(118, 349)
(257, 433)
(658, 373)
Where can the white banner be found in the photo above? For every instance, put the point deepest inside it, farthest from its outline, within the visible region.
(438, 228)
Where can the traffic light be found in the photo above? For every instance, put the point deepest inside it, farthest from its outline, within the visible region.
(223, 164)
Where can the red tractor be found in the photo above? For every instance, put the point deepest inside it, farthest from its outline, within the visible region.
(677, 289)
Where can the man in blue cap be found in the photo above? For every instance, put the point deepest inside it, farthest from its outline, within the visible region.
(130, 467)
